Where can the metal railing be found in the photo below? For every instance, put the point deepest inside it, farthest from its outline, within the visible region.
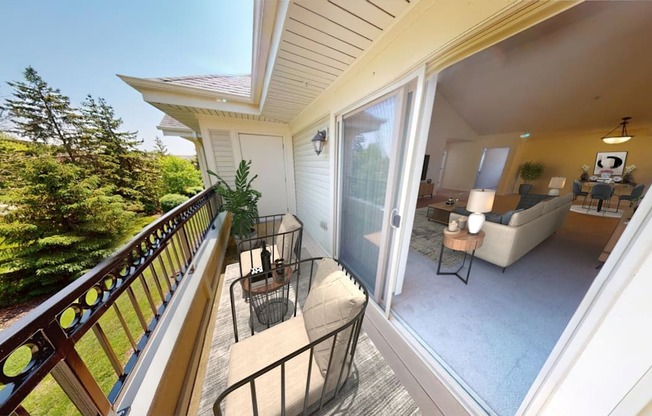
(136, 284)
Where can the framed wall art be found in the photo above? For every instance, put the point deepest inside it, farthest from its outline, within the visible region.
(610, 163)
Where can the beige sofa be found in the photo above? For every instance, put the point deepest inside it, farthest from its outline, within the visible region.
(504, 244)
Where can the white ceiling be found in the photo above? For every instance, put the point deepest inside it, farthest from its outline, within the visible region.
(583, 69)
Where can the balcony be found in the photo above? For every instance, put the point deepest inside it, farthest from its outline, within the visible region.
(147, 332)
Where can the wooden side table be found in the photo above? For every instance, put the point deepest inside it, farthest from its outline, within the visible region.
(461, 241)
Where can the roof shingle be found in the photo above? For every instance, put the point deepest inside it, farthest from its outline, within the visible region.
(228, 84)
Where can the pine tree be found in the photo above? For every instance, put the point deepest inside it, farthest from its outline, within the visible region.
(42, 114)
(159, 147)
(60, 225)
(113, 155)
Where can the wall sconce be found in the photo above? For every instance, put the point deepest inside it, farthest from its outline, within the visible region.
(318, 141)
(624, 136)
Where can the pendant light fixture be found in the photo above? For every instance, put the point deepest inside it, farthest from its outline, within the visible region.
(616, 139)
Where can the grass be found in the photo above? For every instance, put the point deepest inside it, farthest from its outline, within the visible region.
(48, 398)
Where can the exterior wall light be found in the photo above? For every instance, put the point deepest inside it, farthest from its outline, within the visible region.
(318, 141)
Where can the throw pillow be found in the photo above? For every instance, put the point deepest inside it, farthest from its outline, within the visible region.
(492, 217)
(325, 267)
(506, 217)
(328, 307)
(461, 211)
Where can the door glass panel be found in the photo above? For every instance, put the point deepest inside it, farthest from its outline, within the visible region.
(367, 142)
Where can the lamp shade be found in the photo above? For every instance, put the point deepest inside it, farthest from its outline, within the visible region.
(481, 200)
(557, 182)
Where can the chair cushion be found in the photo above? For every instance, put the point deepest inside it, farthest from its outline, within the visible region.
(335, 302)
(254, 353)
(462, 211)
(285, 242)
(492, 217)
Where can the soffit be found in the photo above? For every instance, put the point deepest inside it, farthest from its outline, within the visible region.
(319, 42)
(582, 69)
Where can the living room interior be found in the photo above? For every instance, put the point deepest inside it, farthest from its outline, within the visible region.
(548, 94)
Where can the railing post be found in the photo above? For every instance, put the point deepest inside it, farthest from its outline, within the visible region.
(75, 379)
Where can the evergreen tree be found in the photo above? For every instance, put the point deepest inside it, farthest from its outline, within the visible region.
(60, 225)
(42, 114)
(113, 155)
(159, 147)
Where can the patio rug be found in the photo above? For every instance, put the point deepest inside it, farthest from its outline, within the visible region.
(372, 388)
(426, 239)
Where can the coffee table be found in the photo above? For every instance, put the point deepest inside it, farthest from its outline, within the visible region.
(440, 212)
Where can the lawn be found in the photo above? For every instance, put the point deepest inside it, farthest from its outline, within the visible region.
(48, 398)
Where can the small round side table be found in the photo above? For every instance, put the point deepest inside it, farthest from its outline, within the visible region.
(460, 241)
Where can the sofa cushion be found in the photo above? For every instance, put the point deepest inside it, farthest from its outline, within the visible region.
(506, 217)
(261, 350)
(335, 302)
(285, 242)
(530, 200)
(526, 216)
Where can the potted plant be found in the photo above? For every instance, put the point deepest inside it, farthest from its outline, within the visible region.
(585, 173)
(241, 201)
(627, 173)
(529, 171)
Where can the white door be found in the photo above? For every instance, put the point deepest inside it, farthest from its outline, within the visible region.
(491, 167)
(268, 162)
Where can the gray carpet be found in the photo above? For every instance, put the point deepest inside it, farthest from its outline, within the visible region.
(372, 389)
(427, 237)
(497, 332)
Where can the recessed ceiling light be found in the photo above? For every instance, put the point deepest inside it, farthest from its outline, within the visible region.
(525, 135)
(222, 100)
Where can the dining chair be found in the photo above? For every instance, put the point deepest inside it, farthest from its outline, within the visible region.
(634, 196)
(577, 191)
(602, 193)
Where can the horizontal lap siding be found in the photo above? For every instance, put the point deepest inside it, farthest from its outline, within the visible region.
(223, 154)
(312, 180)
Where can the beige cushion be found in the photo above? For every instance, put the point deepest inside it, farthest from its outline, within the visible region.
(254, 353)
(526, 216)
(285, 242)
(325, 267)
(251, 258)
(332, 304)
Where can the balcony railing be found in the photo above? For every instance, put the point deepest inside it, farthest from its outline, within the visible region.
(121, 299)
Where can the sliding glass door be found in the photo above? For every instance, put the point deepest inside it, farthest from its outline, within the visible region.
(372, 142)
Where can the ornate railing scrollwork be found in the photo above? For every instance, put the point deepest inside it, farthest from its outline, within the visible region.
(157, 258)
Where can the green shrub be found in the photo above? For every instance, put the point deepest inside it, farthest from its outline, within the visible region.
(170, 201)
(193, 190)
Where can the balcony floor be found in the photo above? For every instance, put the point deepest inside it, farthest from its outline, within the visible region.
(372, 388)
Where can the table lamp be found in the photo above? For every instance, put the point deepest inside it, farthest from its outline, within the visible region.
(480, 201)
(556, 183)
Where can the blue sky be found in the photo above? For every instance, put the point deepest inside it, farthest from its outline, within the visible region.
(79, 46)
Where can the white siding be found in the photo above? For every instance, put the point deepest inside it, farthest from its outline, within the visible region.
(223, 154)
(312, 179)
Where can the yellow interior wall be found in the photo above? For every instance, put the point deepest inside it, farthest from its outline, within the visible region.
(563, 154)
